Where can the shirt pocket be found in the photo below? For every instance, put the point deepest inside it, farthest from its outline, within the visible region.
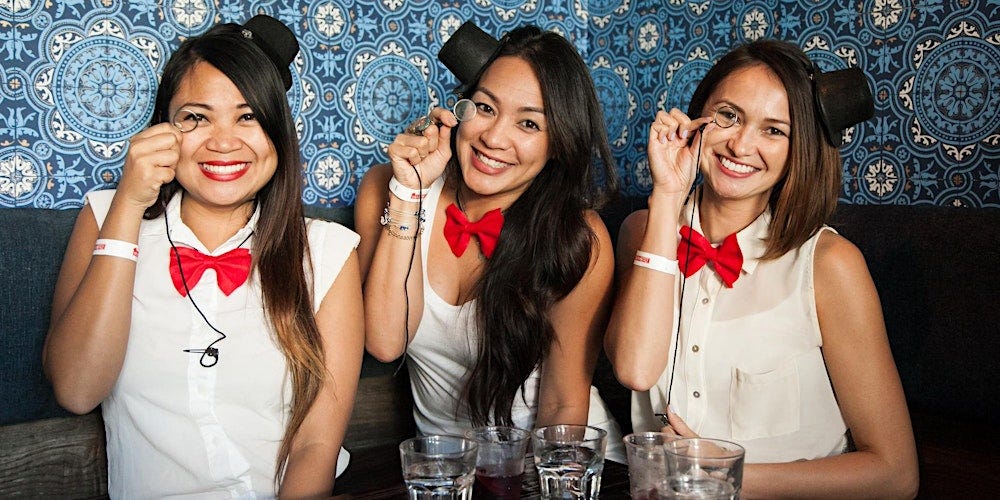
(765, 404)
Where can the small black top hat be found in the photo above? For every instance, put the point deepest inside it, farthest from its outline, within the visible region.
(467, 52)
(276, 40)
(843, 99)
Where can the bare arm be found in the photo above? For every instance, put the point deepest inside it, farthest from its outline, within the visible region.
(579, 320)
(312, 462)
(92, 304)
(385, 262)
(869, 393)
(641, 326)
(388, 262)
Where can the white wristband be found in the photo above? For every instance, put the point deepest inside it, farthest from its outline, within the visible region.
(655, 262)
(117, 248)
(404, 193)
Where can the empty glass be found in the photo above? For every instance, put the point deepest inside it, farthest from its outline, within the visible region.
(647, 462)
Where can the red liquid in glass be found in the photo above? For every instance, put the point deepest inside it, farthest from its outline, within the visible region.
(497, 488)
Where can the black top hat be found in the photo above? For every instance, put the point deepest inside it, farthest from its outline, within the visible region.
(276, 40)
(843, 99)
(467, 52)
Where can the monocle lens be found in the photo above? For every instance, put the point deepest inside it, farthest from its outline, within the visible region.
(726, 117)
(185, 120)
(464, 110)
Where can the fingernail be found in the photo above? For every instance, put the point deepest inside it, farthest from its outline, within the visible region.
(671, 409)
(684, 134)
(673, 135)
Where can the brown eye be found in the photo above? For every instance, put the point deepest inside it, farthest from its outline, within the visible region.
(186, 120)
(726, 117)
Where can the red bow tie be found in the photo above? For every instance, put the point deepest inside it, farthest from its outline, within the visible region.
(231, 268)
(695, 250)
(458, 230)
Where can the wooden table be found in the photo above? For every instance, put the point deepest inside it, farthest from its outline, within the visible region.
(375, 474)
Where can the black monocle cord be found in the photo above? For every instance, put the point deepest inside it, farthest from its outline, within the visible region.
(211, 352)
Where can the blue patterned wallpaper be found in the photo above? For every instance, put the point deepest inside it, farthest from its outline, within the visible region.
(78, 79)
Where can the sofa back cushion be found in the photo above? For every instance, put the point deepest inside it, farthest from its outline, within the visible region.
(31, 251)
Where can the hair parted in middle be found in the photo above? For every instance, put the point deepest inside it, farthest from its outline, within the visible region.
(806, 196)
(280, 241)
(545, 247)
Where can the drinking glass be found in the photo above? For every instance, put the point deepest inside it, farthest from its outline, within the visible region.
(647, 463)
(703, 468)
(570, 460)
(499, 461)
(438, 467)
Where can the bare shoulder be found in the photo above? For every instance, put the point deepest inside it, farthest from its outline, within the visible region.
(837, 260)
(633, 226)
(375, 179)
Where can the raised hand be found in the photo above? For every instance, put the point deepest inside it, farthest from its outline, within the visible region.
(151, 162)
(426, 152)
(671, 152)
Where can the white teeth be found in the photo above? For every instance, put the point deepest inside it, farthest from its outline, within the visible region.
(223, 169)
(737, 167)
(490, 162)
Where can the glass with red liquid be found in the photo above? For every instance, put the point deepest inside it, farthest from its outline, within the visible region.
(499, 461)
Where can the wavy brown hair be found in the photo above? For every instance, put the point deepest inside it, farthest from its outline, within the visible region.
(545, 247)
(280, 245)
(806, 196)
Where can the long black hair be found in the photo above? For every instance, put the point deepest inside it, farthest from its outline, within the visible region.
(545, 246)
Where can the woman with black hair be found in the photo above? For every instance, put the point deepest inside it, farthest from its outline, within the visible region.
(485, 234)
(220, 331)
(741, 315)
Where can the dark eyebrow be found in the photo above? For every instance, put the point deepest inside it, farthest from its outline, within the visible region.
(209, 106)
(743, 112)
(530, 109)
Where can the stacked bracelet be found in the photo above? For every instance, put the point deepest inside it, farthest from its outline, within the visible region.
(117, 248)
(397, 222)
(404, 193)
(655, 262)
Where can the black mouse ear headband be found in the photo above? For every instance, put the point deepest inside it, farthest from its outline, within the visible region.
(843, 99)
(467, 52)
(276, 40)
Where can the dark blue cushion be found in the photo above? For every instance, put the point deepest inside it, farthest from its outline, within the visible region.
(31, 251)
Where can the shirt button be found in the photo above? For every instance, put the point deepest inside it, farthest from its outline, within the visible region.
(705, 300)
(697, 394)
(695, 348)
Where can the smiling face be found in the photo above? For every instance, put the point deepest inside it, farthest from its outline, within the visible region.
(228, 157)
(745, 161)
(506, 145)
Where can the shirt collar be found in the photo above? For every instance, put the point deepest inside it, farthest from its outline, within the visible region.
(181, 234)
(752, 239)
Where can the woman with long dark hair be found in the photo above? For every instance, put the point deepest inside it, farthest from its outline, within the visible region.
(741, 315)
(220, 331)
(486, 234)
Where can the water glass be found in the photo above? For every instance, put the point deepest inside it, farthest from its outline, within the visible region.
(570, 460)
(499, 461)
(647, 463)
(438, 467)
(703, 468)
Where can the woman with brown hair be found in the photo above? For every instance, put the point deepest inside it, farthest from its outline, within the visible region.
(741, 316)
(220, 331)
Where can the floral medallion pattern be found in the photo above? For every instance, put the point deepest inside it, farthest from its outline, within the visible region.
(79, 78)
